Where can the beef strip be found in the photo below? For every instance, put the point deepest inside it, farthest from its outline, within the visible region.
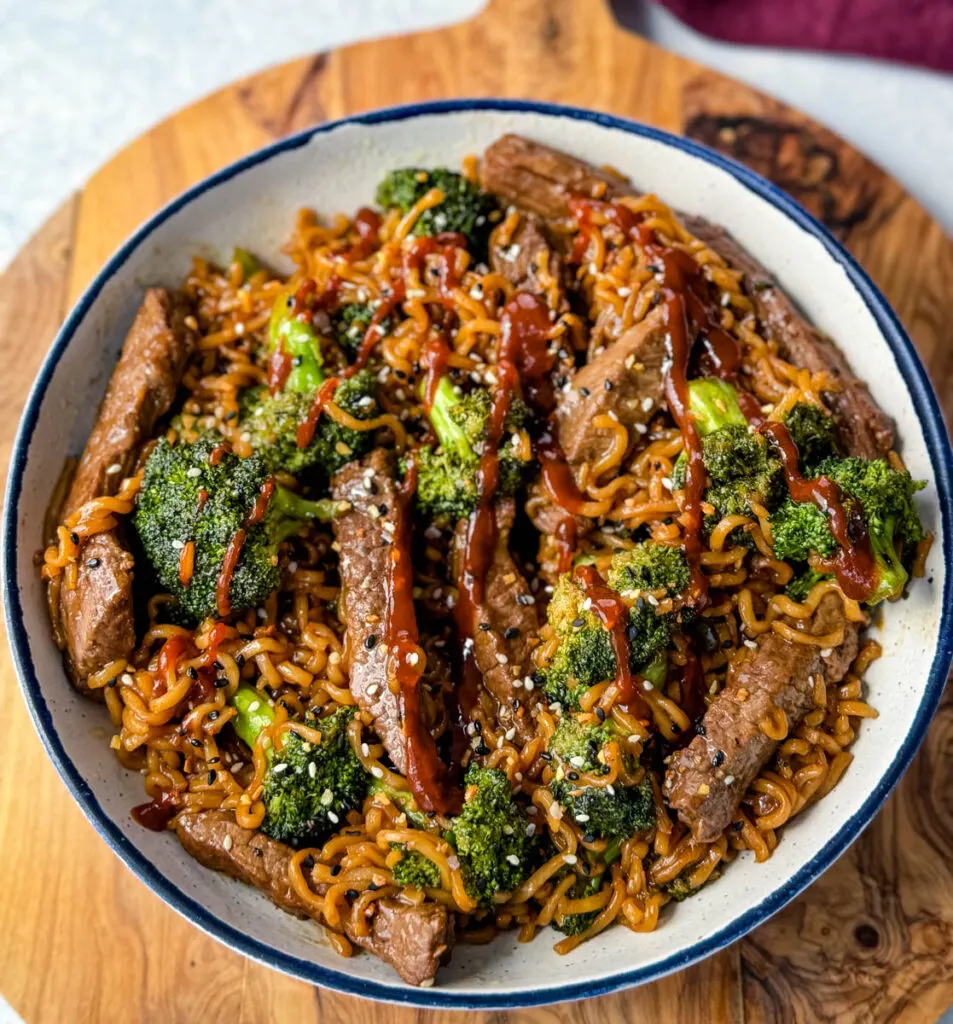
(510, 614)
(707, 779)
(522, 261)
(97, 616)
(413, 938)
(542, 180)
(865, 429)
(364, 536)
(624, 381)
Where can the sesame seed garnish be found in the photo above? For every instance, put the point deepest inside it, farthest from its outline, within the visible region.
(227, 843)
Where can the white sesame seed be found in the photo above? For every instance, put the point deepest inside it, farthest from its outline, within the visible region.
(227, 843)
(178, 545)
(570, 858)
(333, 817)
(729, 779)
(278, 768)
(502, 659)
(827, 652)
(365, 750)
(254, 706)
(510, 733)
(582, 818)
(372, 690)
(511, 858)
(413, 658)
(377, 772)
(555, 812)
(194, 472)
(647, 404)
(126, 679)
(312, 769)
(578, 761)
(113, 469)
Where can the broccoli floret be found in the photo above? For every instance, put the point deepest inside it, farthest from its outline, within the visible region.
(585, 656)
(350, 322)
(309, 788)
(446, 475)
(298, 340)
(464, 209)
(403, 799)
(248, 263)
(414, 870)
(606, 814)
(814, 434)
(801, 585)
(272, 423)
(738, 463)
(575, 924)
(490, 837)
(186, 500)
(714, 404)
(885, 499)
(679, 889)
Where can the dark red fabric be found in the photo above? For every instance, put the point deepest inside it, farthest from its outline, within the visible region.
(913, 31)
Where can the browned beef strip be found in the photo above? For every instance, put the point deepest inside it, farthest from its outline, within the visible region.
(509, 611)
(865, 429)
(543, 180)
(624, 381)
(364, 535)
(707, 779)
(414, 939)
(529, 251)
(216, 840)
(97, 616)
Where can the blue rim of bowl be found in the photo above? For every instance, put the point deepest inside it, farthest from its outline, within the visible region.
(941, 457)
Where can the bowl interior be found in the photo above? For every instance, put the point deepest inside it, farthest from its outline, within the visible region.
(337, 169)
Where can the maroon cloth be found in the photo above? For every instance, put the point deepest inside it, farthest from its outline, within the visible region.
(913, 31)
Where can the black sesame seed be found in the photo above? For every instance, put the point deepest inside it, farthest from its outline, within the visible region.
(546, 755)
(308, 862)
(478, 727)
(607, 384)
(482, 750)
(352, 894)
(258, 851)
(221, 682)
(600, 714)
(216, 664)
(74, 537)
(214, 760)
(210, 779)
(484, 626)
(431, 814)
(573, 776)
(195, 743)
(372, 886)
(578, 623)
(336, 870)
(584, 392)
(718, 758)
(511, 634)
(382, 509)
(93, 563)
(370, 642)
(588, 838)
(212, 716)
(192, 672)
(240, 660)
(112, 682)
(233, 414)
(737, 826)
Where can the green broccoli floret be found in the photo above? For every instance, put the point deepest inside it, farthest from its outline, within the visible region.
(738, 462)
(802, 584)
(585, 656)
(575, 924)
(297, 339)
(248, 263)
(679, 889)
(404, 799)
(272, 423)
(885, 499)
(309, 788)
(446, 474)
(814, 434)
(350, 322)
(414, 870)
(185, 499)
(490, 837)
(464, 209)
(604, 812)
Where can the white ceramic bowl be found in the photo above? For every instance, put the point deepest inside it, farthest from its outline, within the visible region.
(335, 167)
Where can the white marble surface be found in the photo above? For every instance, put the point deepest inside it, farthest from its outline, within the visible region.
(79, 78)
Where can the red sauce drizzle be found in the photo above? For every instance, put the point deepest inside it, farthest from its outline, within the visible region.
(309, 424)
(612, 612)
(854, 564)
(279, 367)
(427, 774)
(157, 813)
(434, 358)
(223, 584)
(367, 224)
(218, 453)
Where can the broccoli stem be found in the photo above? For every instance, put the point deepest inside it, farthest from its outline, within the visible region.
(714, 404)
(892, 577)
(254, 713)
(287, 503)
(299, 341)
(450, 434)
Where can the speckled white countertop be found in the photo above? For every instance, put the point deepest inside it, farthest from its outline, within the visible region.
(80, 78)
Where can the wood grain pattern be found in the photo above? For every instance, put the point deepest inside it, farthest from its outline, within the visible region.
(82, 939)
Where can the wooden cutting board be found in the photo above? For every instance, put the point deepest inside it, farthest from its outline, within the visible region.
(82, 939)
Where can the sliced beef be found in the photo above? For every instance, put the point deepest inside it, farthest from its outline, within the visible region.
(865, 429)
(216, 840)
(624, 381)
(543, 180)
(707, 779)
(529, 260)
(364, 534)
(413, 938)
(507, 624)
(97, 616)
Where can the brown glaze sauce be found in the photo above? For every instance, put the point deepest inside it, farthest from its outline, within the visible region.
(223, 584)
